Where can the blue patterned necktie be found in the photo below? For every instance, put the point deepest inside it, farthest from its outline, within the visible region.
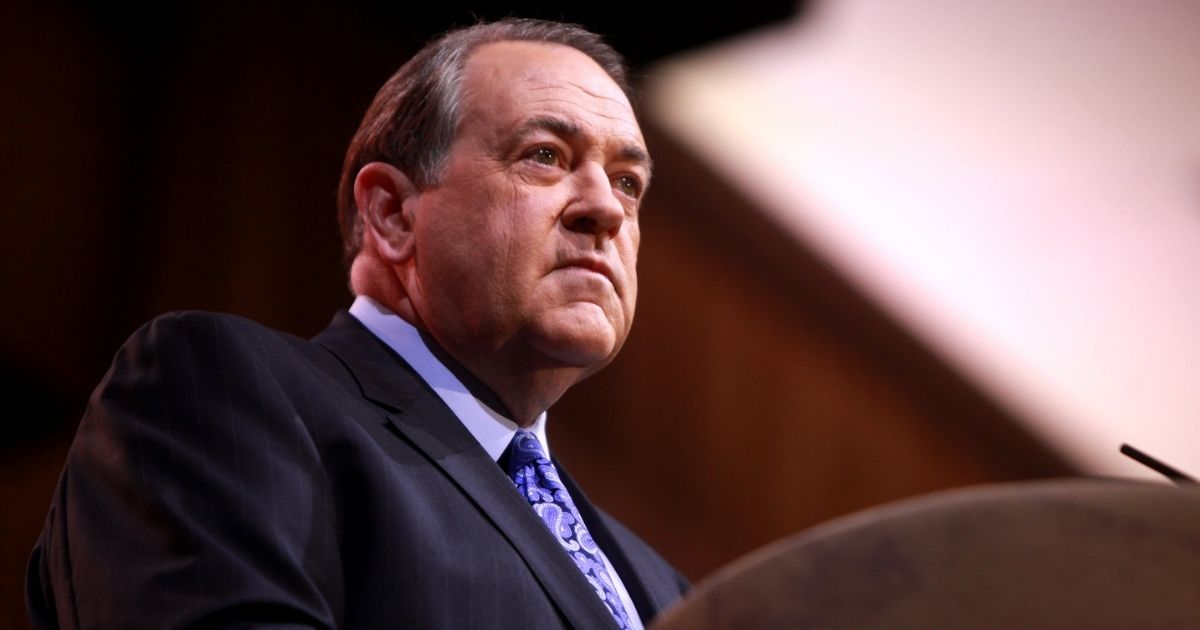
(539, 483)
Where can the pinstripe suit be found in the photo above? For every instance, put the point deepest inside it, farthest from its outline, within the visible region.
(227, 473)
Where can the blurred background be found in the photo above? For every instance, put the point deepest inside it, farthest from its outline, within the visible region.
(890, 248)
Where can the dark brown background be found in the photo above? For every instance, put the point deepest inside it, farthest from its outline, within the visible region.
(187, 158)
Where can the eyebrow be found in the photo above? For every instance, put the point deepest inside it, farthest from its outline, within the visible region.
(570, 129)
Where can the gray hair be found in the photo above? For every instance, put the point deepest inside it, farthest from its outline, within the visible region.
(414, 118)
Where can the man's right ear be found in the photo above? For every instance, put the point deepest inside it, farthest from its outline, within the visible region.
(385, 198)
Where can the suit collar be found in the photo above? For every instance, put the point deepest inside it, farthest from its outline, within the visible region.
(424, 421)
(381, 375)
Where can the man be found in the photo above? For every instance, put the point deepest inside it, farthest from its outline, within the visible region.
(390, 472)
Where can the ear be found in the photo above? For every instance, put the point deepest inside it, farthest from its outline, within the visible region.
(385, 198)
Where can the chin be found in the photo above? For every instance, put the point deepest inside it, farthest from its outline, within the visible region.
(587, 343)
(592, 351)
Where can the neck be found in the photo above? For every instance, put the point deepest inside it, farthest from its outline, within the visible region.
(512, 379)
(477, 387)
(519, 387)
(509, 382)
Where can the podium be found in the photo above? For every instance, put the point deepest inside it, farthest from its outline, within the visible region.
(1079, 553)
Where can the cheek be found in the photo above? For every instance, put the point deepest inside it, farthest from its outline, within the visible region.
(629, 255)
(629, 251)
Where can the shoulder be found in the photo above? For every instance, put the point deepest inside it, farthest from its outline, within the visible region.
(204, 446)
(217, 340)
(190, 362)
(203, 326)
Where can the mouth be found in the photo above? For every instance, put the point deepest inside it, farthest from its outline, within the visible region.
(591, 264)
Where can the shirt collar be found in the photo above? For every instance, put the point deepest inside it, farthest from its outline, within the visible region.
(489, 427)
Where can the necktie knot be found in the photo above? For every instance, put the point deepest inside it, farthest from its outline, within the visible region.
(526, 451)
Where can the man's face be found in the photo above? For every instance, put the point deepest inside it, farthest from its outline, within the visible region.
(526, 247)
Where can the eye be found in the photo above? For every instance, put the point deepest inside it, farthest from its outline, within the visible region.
(628, 185)
(546, 156)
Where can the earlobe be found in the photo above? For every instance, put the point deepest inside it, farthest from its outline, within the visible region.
(385, 197)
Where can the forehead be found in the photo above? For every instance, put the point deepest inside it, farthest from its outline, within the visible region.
(507, 83)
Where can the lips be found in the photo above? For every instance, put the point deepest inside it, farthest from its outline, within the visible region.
(594, 264)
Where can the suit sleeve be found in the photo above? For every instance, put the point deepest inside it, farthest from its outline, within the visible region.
(193, 495)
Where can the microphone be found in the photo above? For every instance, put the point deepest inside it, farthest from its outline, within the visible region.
(1168, 471)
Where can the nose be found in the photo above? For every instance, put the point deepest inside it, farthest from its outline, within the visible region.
(595, 208)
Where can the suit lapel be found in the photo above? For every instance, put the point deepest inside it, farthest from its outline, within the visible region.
(421, 417)
(634, 579)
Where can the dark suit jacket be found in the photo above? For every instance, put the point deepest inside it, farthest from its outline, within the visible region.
(226, 474)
